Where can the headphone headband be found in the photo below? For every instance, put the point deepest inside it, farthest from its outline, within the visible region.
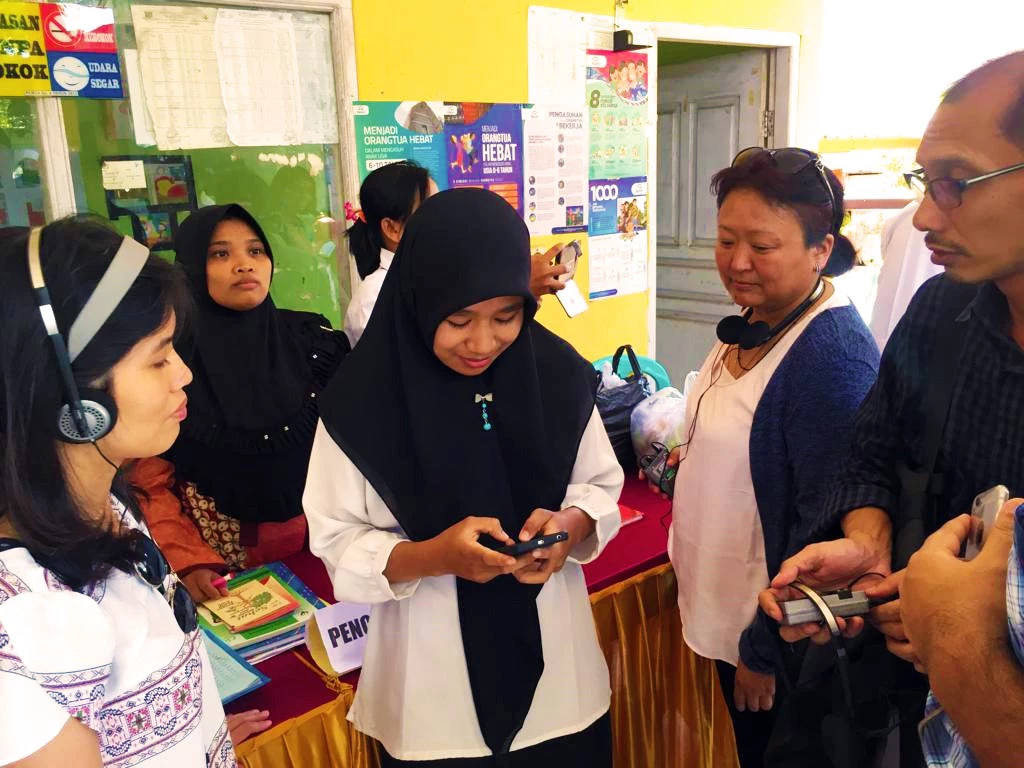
(88, 420)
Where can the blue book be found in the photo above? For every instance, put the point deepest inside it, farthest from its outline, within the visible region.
(234, 675)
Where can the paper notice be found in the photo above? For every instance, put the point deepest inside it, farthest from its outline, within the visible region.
(557, 48)
(259, 79)
(179, 64)
(124, 174)
(141, 122)
(618, 265)
(313, 62)
(555, 169)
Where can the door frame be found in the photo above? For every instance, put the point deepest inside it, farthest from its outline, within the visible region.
(55, 163)
(783, 89)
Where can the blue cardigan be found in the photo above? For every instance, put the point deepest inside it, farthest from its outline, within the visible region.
(799, 439)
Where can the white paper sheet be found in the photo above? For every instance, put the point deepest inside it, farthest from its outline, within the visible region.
(124, 174)
(259, 78)
(179, 64)
(557, 49)
(315, 66)
(618, 265)
(555, 159)
(141, 122)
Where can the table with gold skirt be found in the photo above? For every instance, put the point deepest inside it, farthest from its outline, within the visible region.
(667, 709)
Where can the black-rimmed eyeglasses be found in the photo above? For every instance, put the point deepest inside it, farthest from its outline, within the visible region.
(791, 161)
(948, 193)
(152, 567)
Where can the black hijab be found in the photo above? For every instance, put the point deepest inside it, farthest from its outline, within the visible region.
(414, 429)
(251, 406)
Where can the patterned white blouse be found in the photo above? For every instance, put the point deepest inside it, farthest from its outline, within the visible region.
(115, 659)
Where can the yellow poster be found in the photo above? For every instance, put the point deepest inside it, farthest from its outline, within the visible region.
(23, 64)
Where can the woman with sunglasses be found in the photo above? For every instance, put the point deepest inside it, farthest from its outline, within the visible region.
(768, 419)
(100, 660)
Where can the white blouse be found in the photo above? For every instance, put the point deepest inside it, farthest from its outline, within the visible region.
(115, 659)
(715, 542)
(414, 694)
(365, 297)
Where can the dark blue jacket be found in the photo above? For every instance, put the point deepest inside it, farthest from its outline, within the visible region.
(799, 442)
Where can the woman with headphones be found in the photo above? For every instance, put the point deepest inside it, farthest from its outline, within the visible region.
(769, 417)
(100, 659)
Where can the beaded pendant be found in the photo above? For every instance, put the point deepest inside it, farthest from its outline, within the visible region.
(483, 400)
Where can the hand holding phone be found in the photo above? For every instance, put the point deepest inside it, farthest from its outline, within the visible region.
(569, 257)
(984, 511)
(542, 541)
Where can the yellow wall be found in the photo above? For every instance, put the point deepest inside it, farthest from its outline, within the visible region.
(476, 50)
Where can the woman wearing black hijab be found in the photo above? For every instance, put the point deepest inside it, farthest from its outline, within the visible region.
(458, 418)
(232, 498)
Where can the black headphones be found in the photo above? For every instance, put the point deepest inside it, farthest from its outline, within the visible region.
(737, 329)
(87, 414)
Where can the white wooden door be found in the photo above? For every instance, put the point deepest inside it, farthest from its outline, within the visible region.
(707, 111)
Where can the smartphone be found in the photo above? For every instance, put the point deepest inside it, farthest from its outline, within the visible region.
(984, 511)
(569, 256)
(538, 542)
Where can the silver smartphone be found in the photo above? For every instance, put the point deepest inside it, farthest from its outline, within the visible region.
(569, 256)
(984, 511)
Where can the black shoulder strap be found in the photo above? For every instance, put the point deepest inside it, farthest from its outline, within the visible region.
(917, 487)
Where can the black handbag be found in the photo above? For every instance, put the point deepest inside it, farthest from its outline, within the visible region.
(616, 406)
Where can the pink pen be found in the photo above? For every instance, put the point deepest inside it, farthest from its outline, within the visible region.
(223, 580)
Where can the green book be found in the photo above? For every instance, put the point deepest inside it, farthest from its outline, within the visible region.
(308, 605)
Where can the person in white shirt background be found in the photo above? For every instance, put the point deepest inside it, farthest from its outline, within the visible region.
(100, 659)
(388, 197)
(906, 265)
(459, 421)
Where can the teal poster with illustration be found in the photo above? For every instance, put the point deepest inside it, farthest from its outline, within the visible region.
(389, 131)
(617, 103)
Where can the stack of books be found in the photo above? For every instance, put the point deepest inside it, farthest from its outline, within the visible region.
(265, 612)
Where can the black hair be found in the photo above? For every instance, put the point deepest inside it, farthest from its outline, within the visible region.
(390, 192)
(803, 193)
(35, 497)
(1012, 65)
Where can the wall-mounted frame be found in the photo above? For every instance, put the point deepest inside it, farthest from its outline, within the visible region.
(169, 189)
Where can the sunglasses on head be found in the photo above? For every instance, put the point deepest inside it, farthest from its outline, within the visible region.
(152, 567)
(791, 161)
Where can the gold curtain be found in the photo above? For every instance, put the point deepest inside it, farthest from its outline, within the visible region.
(322, 737)
(667, 709)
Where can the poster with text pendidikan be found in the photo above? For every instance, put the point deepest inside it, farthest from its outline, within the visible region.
(390, 131)
(555, 169)
(617, 107)
(484, 145)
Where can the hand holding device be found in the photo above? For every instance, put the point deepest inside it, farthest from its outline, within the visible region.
(569, 257)
(984, 511)
(541, 541)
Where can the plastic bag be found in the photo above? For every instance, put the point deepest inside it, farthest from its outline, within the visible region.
(660, 418)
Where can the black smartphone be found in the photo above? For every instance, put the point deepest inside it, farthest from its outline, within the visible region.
(522, 547)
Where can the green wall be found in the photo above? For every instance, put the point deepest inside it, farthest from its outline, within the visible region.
(670, 53)
(287, 189)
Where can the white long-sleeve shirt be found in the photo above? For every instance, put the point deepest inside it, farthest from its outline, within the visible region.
(365, 297)
(414, 694)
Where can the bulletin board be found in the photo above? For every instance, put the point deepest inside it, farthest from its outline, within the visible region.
(574, 171)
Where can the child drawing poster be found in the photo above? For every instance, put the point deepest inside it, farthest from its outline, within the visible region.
(483, 144)
(390, 131)
(617, 104)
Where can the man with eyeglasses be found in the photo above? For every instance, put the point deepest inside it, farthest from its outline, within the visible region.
(963, 333)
